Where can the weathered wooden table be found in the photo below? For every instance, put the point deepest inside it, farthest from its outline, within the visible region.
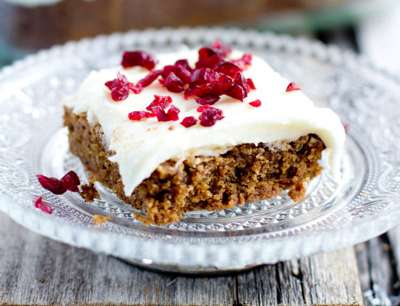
(36, 270)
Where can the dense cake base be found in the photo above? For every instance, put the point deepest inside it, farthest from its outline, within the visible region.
(246, 172)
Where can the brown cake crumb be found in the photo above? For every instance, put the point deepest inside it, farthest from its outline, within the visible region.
(247, 172)
(88, 192)
(100, 219)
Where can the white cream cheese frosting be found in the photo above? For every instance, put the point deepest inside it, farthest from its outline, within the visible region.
(141, 146)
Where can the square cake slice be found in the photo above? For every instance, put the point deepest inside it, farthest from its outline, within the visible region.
(199, 129)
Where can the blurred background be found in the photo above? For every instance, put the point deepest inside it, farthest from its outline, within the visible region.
(29, 25)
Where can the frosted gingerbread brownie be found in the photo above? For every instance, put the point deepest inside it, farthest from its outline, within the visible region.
(199, 129)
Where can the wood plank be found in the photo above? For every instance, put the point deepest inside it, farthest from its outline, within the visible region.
(36, 270)
(377, 273)
(329, 278)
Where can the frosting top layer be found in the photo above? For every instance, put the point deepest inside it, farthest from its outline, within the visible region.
(141, 146)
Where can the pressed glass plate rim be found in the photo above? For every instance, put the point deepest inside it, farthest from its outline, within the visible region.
(190, 255)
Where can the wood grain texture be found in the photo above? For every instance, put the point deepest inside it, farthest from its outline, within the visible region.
(377, 268)
(330, 278)
(36, 270)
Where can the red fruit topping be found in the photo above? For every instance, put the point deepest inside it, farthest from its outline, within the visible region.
(167, 70)
(210, 116)
(138, 58)
(136, 89)
(250, 84)
(71, 181)
(229, 68)
(292, 86)
(51, 184)
(244, 61)
(223, 85)
(237, 92)
(43, 206)
(120, 87)
(203, 76)
(255, 103)
(158, 108)
(184, 64)
(223, 49)
(183, 70)
(149, 78)
(160, 113)
(138, 115)
(202, 108)
(173, 83)
(189, 121)
(212, 77)
(209, 57)
(206, 81)
(159, 101)
(202, 90)
(173, 113)
(210, 100)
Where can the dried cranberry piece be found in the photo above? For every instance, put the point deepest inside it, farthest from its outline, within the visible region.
(222, 48)
(138, 58)
(210, 116)
(184, 64)
(43, 206)
(223, 84)
(250, 84)
(197, 76)
(173, 83)
(183, 74)
(137, 115)
(208, 57)
(188, 93)
(203, 76)
(183, 70)
(255, 103)
(241, 80)
(120, 93)
(173, 113)
(71, 181)
(136, 89)
(167, 70)
(51, 184)
(209, 99)
(188, 121)
(244, 61)
(292, 86)
(159, 101)
(206, 81)
(149, 78)
(202, 108)
(160, 113)
(120, 88)
(237, 92)
(202, 90)
(229, 68)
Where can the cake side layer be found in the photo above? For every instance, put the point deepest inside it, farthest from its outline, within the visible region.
(246, 172)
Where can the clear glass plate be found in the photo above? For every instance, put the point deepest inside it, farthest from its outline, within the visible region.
(333, 215)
